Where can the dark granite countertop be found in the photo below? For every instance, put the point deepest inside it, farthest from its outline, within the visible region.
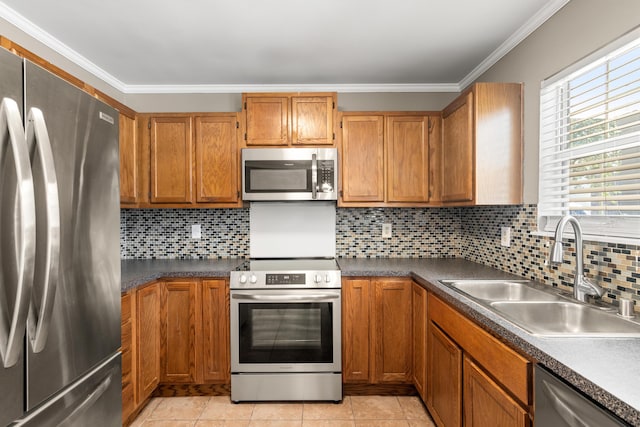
(138, 272)
(604, 369)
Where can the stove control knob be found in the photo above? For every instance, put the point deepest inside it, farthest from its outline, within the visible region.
(317, 278)
(327, 278)
(243, 279)
(253, 278)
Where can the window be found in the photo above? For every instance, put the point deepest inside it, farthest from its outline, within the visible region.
(590, 142)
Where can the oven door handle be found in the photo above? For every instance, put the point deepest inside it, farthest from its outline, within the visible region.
(287, 298)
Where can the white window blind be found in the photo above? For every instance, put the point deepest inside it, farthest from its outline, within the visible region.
(590, 142)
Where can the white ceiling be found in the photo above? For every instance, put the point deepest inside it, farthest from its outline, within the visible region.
(151, 46)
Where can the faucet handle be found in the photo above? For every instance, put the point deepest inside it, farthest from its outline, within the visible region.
(590, 288)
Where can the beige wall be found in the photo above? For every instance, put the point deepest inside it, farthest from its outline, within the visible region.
(20, 37)
(577, 30)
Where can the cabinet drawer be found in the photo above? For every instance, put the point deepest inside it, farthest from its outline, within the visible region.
(126, 307)
(509, 368)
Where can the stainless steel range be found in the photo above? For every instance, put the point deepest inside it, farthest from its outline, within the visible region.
(286, 330)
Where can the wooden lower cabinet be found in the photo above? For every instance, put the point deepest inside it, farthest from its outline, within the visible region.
(473, 379)
(444, 373)
(216, 362)
(376, 327)
(181, 313)
(147, 340)
(419, 324)
(174, 331)
(486, 404)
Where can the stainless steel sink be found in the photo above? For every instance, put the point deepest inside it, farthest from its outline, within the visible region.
(501, 290)
(565, 319)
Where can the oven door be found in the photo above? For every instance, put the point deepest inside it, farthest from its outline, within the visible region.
(285, 331)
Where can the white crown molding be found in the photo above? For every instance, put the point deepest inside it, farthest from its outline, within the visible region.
(343, 88)
(56, 45)
(523, 32)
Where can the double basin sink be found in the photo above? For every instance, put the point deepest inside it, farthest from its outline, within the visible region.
(543, 312)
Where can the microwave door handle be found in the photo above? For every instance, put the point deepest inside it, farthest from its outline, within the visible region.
(314, 176)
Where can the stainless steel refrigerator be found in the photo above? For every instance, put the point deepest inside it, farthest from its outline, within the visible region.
(59, 252)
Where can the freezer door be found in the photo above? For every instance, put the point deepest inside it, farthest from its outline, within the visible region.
(83, 326)
(12, 377)
(94, 400)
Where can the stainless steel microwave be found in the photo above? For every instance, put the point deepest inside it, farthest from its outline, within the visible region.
(289, 174)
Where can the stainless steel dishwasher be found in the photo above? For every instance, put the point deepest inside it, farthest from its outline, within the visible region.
(559, 405)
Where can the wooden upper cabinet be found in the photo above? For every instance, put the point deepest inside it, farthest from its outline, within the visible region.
(482, 146)
(407, 158)
(392, 331)
(362, 158)
(171, 158)
(129, 159)
(216, 159)
(312, 120)
(457, 151)
(288, 119)
(267, 121)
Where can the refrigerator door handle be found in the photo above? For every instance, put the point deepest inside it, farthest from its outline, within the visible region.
(88, 401)
(12, 328)
(48, 219)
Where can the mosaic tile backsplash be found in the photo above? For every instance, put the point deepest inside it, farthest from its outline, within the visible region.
(472, 233)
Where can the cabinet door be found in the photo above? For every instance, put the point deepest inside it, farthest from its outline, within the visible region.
(363, 159)
(312, 120)
(407, 158)
(267, 120)
(444, 373)
(215, 329)
(179, 308)
(171, 149)
(216, 159)
(486, 404)
(148, 340)
(392, 331)
(355, 330)
(128, 160)
(127, 348)
(457, 151)
(419, 310)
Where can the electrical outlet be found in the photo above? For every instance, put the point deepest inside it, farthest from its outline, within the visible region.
(386, 231)
(505, 236)
(196, 231)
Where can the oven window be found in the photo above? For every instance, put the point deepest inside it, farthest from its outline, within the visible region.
(285, 333)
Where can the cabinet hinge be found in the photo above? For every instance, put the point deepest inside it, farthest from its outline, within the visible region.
(341, 193)
(238, 194)
(245, 105)
(340, 125)
(429, 126)
(333, 105)
(334, 136)
(149, 124)
(237, 125)
(245, 136)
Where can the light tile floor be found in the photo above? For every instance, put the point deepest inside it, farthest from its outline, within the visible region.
(218, 411)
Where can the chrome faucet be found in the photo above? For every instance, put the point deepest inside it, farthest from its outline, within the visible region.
(582, 287)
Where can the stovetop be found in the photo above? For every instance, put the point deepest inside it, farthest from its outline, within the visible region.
(286, 273)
